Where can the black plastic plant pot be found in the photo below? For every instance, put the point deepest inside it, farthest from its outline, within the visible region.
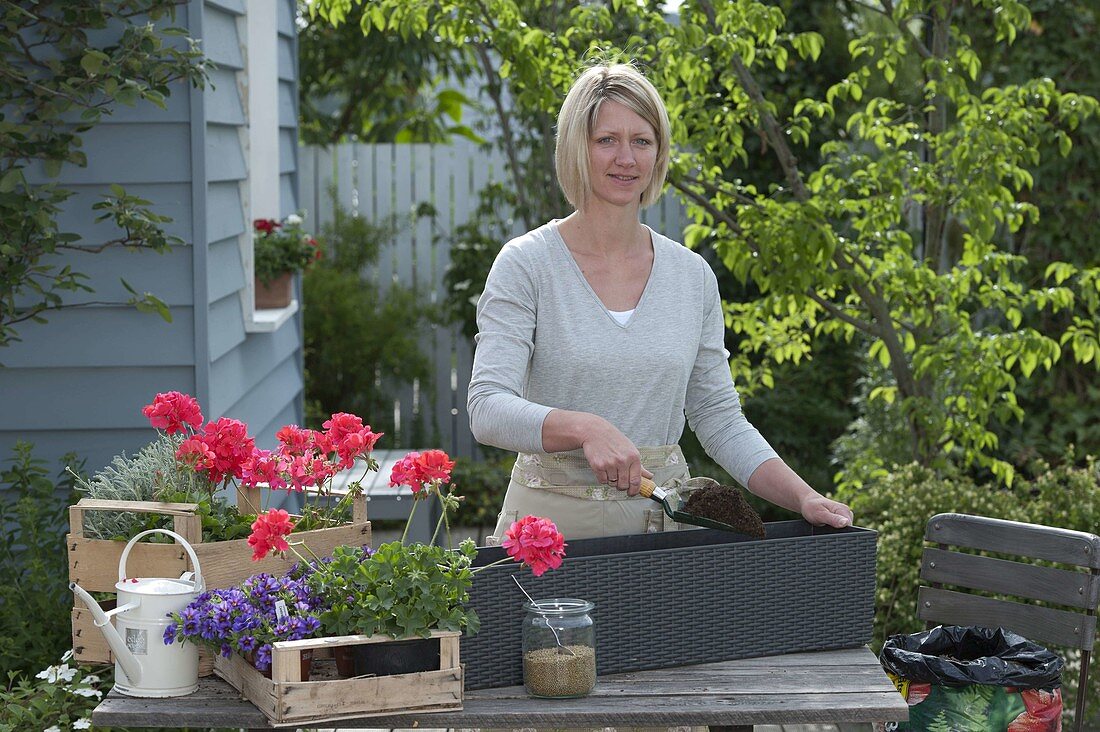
(397, 657)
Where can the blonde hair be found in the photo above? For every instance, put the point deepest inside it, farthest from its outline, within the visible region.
(620, 83)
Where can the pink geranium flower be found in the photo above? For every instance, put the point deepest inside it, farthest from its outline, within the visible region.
(405, 472)
(265, 467)
(535, 542)
(268, 532)
(229, 440)
(300, 473)
(349, 437)
(172, 412)
(341, 424)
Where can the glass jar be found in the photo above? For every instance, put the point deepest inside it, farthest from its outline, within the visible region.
(559, 648)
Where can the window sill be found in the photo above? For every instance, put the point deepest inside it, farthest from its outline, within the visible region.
(270, 320)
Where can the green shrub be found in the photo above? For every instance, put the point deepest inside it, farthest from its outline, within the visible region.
(482, 485)
(360, 343)
(60, 697)
(899, 505)
(35, 601)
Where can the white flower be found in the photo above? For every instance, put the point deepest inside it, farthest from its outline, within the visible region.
(85, 691)
(54, 673)
(92, 679)
(294, 220)
(82, 724)
(54, 728)
(67, 655)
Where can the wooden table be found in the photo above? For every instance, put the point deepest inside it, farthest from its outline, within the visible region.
(799, 688)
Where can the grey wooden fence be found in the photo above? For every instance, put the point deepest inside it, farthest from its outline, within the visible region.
(375, 181)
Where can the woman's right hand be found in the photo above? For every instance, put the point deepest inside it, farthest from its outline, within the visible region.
(611, 455)
(614, 458)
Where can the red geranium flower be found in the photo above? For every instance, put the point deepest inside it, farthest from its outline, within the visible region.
(356, 444)
(266, 225)
(535, 542)
(268, 531)
(435, 465)
(232, 446)
(171, 410)
(417, 469)
(295, 439)
(196, 453)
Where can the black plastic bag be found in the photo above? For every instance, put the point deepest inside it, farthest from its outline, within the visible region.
(954, 655)
(971, 678)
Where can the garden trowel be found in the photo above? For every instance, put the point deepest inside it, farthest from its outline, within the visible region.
(673, 501)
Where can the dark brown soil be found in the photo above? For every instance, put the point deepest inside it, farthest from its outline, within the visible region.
(726, 503)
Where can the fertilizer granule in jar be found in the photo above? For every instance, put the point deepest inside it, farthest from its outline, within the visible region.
(555, 673)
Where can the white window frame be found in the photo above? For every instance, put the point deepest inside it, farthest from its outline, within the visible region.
(260, 86)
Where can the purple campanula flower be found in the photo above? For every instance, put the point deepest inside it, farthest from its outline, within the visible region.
(243, 623)
(190, 621)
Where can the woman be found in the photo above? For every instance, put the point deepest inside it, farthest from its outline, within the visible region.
(598, 335)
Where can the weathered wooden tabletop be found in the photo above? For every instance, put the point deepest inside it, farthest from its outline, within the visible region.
(799, 688)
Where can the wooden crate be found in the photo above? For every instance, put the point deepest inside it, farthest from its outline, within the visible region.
(93, 563)
(286, 700)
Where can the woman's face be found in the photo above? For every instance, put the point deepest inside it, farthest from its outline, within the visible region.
(621, 154)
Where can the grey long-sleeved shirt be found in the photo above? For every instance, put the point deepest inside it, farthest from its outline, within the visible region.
(546, 341)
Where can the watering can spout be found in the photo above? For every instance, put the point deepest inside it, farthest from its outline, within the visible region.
(125, 658)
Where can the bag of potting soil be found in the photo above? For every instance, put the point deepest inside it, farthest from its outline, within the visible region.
(969, 679)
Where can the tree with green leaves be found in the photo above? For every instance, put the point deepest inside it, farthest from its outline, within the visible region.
(59, 79)
(392, 89)
(890, 234)
(1057, 43)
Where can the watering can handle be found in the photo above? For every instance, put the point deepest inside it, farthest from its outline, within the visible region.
(199, 584)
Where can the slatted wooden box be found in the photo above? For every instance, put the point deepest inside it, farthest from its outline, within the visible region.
(93, 563)
(286, 700)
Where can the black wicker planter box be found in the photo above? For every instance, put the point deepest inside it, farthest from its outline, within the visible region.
(686, 597)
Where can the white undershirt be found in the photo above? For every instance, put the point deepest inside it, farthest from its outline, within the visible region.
(622, 315)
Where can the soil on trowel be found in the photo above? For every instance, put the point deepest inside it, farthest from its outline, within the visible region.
(726, 503)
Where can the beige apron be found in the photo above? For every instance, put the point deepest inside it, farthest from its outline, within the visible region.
(563, 488)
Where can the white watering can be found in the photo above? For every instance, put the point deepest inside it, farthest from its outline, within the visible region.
(144, 666)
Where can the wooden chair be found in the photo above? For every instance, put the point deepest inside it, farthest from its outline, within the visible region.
(1076, 590)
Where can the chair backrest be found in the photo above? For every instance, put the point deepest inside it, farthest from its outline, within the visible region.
(1068, 594)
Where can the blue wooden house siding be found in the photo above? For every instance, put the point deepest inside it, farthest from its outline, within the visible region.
(78, 382)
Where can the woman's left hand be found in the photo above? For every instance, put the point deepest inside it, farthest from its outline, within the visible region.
(822, 511)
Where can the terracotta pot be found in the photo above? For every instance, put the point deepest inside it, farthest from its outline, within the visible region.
(306, 659)
(274, 294)
(397, 657)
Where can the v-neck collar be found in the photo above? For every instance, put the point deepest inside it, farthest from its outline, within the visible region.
(553, 225)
